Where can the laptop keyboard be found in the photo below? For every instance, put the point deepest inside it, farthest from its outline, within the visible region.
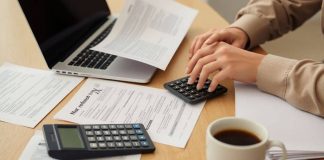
(94, 59)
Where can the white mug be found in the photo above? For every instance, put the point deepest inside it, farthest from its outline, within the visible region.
(217, 150)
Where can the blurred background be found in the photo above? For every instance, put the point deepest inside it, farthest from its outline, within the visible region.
(305, 42)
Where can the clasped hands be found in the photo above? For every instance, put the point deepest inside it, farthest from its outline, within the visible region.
(222, 51)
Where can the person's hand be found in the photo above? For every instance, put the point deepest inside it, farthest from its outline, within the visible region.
(233, 36)
(230, 62)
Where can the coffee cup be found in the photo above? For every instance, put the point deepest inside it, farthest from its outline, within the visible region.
(232, 138)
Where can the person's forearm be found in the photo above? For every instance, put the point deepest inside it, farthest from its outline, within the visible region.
(300, 83)
(264, 20)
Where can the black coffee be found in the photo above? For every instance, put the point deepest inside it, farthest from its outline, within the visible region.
(237, 137)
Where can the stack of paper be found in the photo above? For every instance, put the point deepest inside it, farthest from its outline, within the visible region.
(168, 119)
(301, 132)
(27, 95)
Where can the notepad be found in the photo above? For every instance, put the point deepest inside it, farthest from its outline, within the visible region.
(301, 132)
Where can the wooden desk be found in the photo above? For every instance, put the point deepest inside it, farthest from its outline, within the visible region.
(17, 45)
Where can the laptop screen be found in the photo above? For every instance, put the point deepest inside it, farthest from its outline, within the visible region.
(60, 26)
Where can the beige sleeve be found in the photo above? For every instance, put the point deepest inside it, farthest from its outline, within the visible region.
(300, 83)
(264, 20)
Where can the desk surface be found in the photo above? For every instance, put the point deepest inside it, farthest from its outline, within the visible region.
(17, 45)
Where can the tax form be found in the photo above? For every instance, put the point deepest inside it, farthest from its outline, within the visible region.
(148, 31)
(27, 95)
(168, 119)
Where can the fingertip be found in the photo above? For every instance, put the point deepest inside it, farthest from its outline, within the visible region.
(211, 89)
(190, 81)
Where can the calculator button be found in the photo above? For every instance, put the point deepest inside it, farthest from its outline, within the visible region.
(136, 144)
(181, 90)
(171, 84)
(205, 87)
(89, 133)
(128, 144)
(117, 138)
(100, 138)
(191, 97)
(178, 82)
(96, 127)
(141, 137)
(91, 139)
(114, 132)
(138, 131)
(111, 144)
(120, 144)
(184, 80)
(188, 88)
(128, 126)
(208, 82)
(102, 145)
(193, 92)
(104, 127)
(176, 87)
(87, 127)
(120, 126)
(130, 132)
(112, 126)
(108, 138)
(122, 132)
(136, 126)
(125, 138)
(98, 133)
(144, 144)
(186, 93)
(93, 145)
(106, 132)
(183, 85)
(133, 138)
(204, 93)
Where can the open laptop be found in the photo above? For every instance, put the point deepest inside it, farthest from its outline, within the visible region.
(66, 29)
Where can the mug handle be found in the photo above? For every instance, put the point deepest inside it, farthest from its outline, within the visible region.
(275, 143)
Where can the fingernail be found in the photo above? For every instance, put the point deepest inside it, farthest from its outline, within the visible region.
(210, 90)
(198, 87)
(186, 71)
(190, 81)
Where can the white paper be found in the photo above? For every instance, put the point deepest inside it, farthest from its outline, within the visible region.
(148, 31)
(298, 130)
(27, 95)
(168, 119)
(36, 150)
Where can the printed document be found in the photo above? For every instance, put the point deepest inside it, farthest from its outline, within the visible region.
(301, 132)
(148, 31)
(168, 119)
(36, 150)
(27, 95)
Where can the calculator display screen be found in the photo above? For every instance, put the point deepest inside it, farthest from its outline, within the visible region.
(70, 137)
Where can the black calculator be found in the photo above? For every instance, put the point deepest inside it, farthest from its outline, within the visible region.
(99, 140)
(189, 92)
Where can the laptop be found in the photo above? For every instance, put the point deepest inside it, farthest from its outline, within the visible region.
(65, 30)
